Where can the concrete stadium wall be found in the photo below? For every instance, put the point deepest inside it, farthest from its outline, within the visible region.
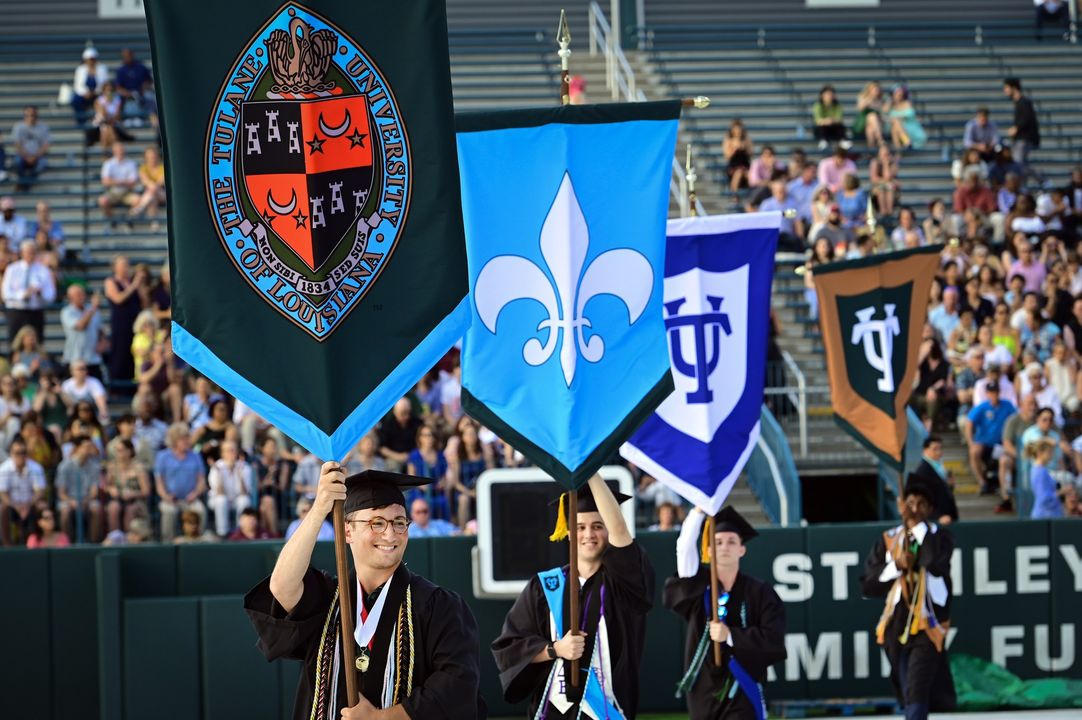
(158, 631)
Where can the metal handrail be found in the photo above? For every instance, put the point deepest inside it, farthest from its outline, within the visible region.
(620, 80)
(799, 397)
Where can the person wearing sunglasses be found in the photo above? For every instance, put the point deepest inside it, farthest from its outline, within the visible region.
(910, 566)
(748, 621)
(416, 646)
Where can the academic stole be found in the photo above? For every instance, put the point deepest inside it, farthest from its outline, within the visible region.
(737, 679)
(912, 589)
(401, 654)
(597, 698)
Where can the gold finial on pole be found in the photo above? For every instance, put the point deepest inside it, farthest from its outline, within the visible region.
(698, 102)
(691, 177)
(563, 38)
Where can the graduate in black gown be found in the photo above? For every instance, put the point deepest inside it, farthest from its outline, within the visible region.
(749, 622)
(538, 638)
(910, 567)
(416, 643)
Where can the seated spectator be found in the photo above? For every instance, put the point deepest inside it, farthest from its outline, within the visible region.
(13, 406)
(398, 435)
(1055, 13)
(304, 506)
(422, 524)
(22, 491)
(145, 337)
(1072, 507)
(883, 174)
(832, 170)
(965, 382)
(306, 476)
(365, 456)
(666, 518)
(28, 352)
(962, 338)
(465, 464)
(863, 245)
(230, 480)
(106, 124)
(90, 76)
(82, 330)
(939, 226)
(828, 118)
(152, 178)
(78, 487)
(1032, 381)
(272, 476)
(869, 121)
(792, 228)
(1052, 208)
(132, 80)
(982, 308)
(208, 437)
(933, 391)
(984, 433)
(1024, 218)
(1062, 372)
(12, 225)
(253, 428)
(1013, 431)
(45, 534)
(30, 142)
(198, 404)
(150, 430)
(737, 149)
(972, 194)
(822, 252)
(764, 167)
(853, 202)
(1043, 428)
(248, 527)
(905, 129)
(83, 387)
(982, 134)
(427, 461)
(119, 177)
(822, 200)
(127, 485)
(969, 163)
(190, 534)
(1072, 330)
(944, 318)
(138, 532)
(1008, 193)
(181, 482)
(1028, 265)
(802, 190)
(47, 232)
(833, 230)
(1003, 166)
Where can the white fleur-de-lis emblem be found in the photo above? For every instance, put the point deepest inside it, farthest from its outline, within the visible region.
(565, 239)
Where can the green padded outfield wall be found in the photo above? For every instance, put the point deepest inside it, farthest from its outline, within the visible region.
(158, 631)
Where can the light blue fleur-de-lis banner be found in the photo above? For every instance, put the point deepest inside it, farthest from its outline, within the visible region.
(565, 215)
(718, 273)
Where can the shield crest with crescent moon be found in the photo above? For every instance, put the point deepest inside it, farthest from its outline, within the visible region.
(308, 168)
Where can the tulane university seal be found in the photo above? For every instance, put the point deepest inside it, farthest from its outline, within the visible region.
(307, 168)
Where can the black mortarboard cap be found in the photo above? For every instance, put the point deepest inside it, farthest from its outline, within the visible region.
(729, 520)
(376, 488)
(586, 503)
(917, 485)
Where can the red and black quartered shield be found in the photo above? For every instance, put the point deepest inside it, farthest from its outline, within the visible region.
(307, 166)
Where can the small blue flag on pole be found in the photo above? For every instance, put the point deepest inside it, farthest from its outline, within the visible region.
(718, 273)
(565, 213)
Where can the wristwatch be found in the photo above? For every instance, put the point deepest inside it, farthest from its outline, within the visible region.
(550, 650)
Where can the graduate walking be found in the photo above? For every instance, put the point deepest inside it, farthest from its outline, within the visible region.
(749, 622)
(539, 641)
(417, 650)
(910, 567)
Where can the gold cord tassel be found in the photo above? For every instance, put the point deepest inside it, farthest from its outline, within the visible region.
(561, 522)
(704, 549)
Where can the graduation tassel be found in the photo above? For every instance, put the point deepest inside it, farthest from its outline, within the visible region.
(704, 544)
(561, 522)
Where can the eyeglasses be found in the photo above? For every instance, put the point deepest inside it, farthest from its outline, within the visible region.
(723, 609)
(378, 525)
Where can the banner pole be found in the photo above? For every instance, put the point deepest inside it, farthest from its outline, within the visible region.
(573, 573)
(563, 38)
(345, 604)
(713, 585)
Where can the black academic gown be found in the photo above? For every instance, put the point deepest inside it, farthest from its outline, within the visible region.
(756, 621)
(927, 676)
(628, 580)
(446, 649)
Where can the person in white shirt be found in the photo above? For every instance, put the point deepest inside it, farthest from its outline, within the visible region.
(89, 78)
(82, 387)
(119, 176)
(230, 481)
(22, 487)
(27, 289)
(82, 329)
(12, 225)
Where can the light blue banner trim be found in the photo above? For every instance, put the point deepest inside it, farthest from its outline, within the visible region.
(357, 423)
(554, 596)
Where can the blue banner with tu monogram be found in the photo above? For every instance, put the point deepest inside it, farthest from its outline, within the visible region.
(565, 211)
(718, 273)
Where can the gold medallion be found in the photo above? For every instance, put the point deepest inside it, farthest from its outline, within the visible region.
(362, 661)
